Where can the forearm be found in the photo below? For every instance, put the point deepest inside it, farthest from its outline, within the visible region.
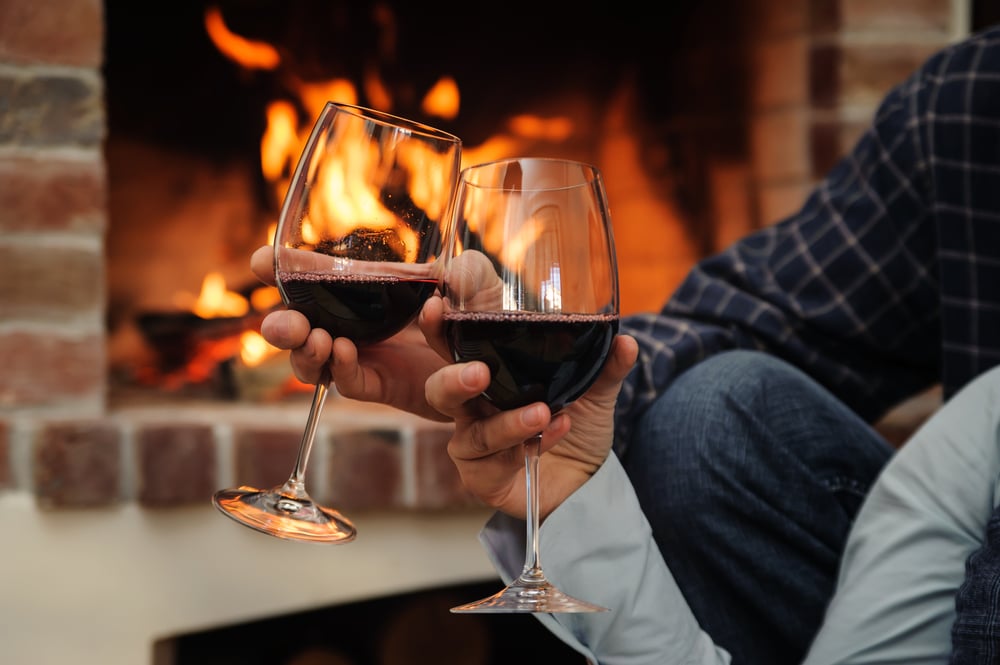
(598, 546)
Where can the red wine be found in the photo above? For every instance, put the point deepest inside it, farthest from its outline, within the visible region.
(363, 308)
(533, 357)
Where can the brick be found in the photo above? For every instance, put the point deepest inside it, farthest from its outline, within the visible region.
(51, 369)
(265, 457)
(176, 464)
(51, 285)
(869, 71)
(365, 470)
(777, 201)
(830, 141)
(861, 74)
(778, 145)
(52, 111)
(77, 464)
(57, 32)
(897, 16)
(825, 75)
(438, 484)
(45, 193)
(824, 16)
(780, 72)
(783, 18)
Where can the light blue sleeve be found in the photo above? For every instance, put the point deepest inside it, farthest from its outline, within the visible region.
(598, 546)
(905, 557)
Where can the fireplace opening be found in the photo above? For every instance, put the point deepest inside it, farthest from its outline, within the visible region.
(405, 629)
(193, 92)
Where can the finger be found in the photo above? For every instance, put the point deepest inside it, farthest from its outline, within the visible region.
(309, 359)
(346, 370)
(262, 264)
(472, 279)
(285, 329)
(431, 324)
(621, 359)
(454, 390)
(450, 388)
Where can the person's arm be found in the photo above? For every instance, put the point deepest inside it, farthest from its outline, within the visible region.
(845, 288)
(598, 546)
(905, 558)
(594, 536)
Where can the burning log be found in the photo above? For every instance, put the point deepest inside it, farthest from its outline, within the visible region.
(191, 349)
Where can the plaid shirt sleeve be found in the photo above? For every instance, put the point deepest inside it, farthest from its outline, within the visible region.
(848, 289)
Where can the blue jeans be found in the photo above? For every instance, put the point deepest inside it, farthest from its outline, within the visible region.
(750, 474)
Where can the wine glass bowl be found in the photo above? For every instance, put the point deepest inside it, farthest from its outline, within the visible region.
(356, 251)
(530, 287)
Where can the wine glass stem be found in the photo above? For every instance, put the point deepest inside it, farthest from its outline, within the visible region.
(295, 485)
(532, 562)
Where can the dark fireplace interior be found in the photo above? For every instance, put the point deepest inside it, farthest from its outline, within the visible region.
(405, 629)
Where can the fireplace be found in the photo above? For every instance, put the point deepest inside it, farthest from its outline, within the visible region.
(707, 125)
(199, 147)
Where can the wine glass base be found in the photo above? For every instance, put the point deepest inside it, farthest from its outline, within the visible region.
(528, 598)
(278, 514)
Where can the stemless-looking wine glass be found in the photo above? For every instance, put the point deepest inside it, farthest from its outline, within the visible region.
(358, 237)
(530, 287)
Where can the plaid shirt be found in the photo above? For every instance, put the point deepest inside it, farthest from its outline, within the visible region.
(887, 281)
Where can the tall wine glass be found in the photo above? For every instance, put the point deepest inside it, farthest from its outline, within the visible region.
(358, 238)
(530, 287)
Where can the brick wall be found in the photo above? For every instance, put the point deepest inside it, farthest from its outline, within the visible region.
(819, 69)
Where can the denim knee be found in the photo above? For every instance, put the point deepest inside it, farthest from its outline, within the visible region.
(744, 425)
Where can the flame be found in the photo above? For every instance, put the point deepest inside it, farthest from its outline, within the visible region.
(216, 301)
(250, 54)
(280, 142)
(254, 349)
(556, 129)
(442, 99)
(375, 90)
(346, 197)
(314, 96)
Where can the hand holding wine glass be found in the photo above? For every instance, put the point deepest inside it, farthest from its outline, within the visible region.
(359, 235)
(530, 288)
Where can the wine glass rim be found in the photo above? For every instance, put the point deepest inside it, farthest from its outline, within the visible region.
(593, 173)
(386, 118)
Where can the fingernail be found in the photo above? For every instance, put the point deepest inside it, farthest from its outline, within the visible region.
(532, 416)
(470, 375)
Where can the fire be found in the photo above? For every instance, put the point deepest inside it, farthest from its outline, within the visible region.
(214, 300)
(254, 349)
(443, 99)
(253, 55)
(288, 123)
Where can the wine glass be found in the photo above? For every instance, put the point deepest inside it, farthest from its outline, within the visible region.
(530, 287)
(358, 238)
